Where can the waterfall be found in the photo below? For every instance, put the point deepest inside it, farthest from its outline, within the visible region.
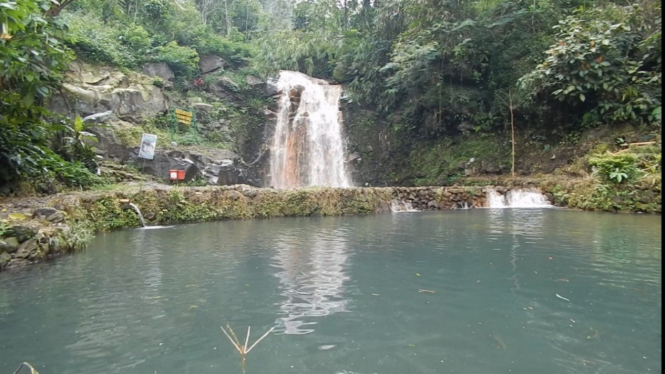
(307, 148)
(519, 198)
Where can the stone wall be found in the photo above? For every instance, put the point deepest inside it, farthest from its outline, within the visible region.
(62, 223)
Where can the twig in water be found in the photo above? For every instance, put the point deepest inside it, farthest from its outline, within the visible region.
(32, 370)
(242, 349)
(561, 297)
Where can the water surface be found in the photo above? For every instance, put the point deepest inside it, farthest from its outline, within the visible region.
(477, 291)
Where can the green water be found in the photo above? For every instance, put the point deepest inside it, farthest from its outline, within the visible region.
(345, 296)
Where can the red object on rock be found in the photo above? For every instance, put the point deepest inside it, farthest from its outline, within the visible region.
(176, 175)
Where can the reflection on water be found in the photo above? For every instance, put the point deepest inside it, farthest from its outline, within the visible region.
(312, 277)
(146, 301)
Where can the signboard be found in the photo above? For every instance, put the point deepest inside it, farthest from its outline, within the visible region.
(148, 144)
(183, 117)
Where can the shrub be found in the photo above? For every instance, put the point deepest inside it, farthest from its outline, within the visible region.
(158, 82)
(98, 42)
(136, 38)
(617, 168)
(182, 60)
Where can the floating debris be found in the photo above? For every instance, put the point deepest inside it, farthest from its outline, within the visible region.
(561, 297)
(242, 349)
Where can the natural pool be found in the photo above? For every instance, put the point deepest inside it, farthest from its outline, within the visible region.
(472, 291)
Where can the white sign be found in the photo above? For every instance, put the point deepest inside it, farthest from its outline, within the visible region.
(148, 144)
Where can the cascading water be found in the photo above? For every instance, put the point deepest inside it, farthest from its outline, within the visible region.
(529, 198)
(307, 148)
(399, 206)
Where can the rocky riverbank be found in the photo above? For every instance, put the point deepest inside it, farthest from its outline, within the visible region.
(33, 230)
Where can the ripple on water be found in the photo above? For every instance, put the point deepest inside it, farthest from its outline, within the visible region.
(153, 300)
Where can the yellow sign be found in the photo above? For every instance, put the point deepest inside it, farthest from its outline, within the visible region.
(183, 116)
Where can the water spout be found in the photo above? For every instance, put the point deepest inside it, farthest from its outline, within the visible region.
(308, 147)
(138, 213)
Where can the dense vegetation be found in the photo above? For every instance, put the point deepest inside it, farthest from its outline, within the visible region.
(431, 68)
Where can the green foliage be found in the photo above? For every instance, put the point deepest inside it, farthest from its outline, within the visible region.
(603, 62)
(34, 59)
(616, 168)
(97, 42)
(136, 38)
(33, 56)
(73, 142)
(182, 60)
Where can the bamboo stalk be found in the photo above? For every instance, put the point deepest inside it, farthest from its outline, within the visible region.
(32, 370)
(247, 340)
(261, 338)
(231, 340)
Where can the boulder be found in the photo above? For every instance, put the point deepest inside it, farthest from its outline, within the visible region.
(489, 167)
(224, 174)
(253, 81)
(161, 70)
(90, 90)
(271, 87)
(210, 63)
(28, 250)
(135, 103)
(99, 117)
(164, 161)
(4, 260)
(202, 107)
(57, 217)
(23, 232)
(9, 245)
(42, 213)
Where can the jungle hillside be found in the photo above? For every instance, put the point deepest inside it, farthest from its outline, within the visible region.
(436, 92)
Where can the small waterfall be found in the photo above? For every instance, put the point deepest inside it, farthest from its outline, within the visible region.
(138, 213)
(307, 148)
(518, 198)
(399, 206)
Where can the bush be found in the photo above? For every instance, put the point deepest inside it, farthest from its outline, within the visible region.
(603, 62)
(96, 41)
(617, 168)
(182, 60)
(135, 37)
(234, 53)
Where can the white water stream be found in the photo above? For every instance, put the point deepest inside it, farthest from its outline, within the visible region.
(527, 198)
(399, 206)
(308, 148)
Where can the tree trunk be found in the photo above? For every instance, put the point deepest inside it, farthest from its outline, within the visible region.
(55, 10)
(512, 130)
(227, 20)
